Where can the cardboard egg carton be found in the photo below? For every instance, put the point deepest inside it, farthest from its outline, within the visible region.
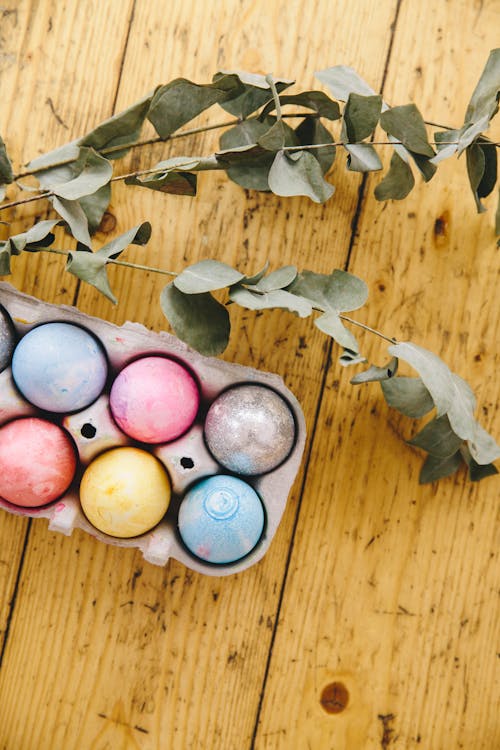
(186, 459)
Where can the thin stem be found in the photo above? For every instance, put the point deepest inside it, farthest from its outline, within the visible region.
(125, 263)
(274, 92)
(46, 194)
(367, 328)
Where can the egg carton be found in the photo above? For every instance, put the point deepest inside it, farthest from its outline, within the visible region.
(186, 459)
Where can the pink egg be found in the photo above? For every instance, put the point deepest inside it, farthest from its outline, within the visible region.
(154, 400)
(37, 462)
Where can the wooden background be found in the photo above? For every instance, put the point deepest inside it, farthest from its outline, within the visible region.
(372, 582)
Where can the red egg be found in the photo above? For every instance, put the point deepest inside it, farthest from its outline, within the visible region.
(37, 462)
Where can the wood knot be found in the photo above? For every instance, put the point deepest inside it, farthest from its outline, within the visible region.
(334, 698)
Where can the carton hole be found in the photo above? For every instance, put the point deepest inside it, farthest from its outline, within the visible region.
(187, 463)
(88, 431)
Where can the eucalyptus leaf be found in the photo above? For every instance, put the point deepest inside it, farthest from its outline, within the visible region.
(251, 175)
(197, 319)
(348, 358)
(254, 94)
(436, 468)
(475, 171)
(425, 166)
(398, 181)
(207, 276)
(437, 438)
(299, 173)
(179, 101)
(342, 81)
(278, 298)
(318, 101)
(91, 268)
(256, 277)
(407, 395)
(279, 279)
(91, 171)
(177, 183)
(477, 471)
(445, 149)
(74, 215)
(274, 138)
(362, 157)
(122, 128)
(6, 174)
(407, 125)
(361, 116)
(38, 236)
(484, 99)
(94, 206)
(138, 235)
(339, 291)
(5, 255)
(331, 324)
(311, 131)
(56, 166)
(482, 446)
(376, 374)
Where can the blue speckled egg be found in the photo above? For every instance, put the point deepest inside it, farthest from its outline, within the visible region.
(59, 367)
(221, 519)
(7, 338)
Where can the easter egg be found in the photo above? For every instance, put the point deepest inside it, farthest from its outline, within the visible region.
(7, 338)
(125, 492)
(37, 462)
(221, 519)
(250, 429)
(154, 400)
(59, 367)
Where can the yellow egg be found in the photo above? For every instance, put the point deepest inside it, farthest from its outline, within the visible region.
(125, 492)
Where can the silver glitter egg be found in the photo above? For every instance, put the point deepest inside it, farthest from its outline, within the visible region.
(250, 429)
(7, 338)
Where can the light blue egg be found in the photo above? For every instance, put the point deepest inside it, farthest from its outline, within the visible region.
(7, 338)
(60, 367)
(221, 519)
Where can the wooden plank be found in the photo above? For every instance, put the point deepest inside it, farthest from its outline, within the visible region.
(178, 655)
(50, 93)
(391, 597)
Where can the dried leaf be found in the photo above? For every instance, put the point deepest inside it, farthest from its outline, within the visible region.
(124, 127)
(318, 101)
(376, 374)
(362, 157)
(483, 105)
(274, 299)
(90, 172)
(177, 183)
(74, 215)
(437, 438)
(331, 324)
(255, 92)
(6, 174)
(94, 206)
(361, 116)
(197, 319)
(342, 81)
(339, 291)
(437, 468)
(407, 125)
(311, 131)
(398, 181)
(207, 276)
(407, 395)
(279, 279)
(299, 173)
(477, 471)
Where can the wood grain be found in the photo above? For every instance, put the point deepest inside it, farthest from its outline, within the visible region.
(389, 589)
(398, 582)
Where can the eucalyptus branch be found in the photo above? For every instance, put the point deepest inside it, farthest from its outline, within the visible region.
(274, 91)
(113, 261)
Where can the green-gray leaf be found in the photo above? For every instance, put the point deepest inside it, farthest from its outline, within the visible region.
(90, 172)
(138, 235)
(278, 279)
(482, 446)
(445, 149)
(477, 471)
(74, 215)
(91, 268)
(207, 276)
(484, 100)
(398, 181)
(278, 298)
(437, 468)
(299, 173)
(348, 358)
(179, 101)
(38, 236)
(176, 183)
(124, 127)
(197, 319)
(407, 125)
(255, 92)
(408, 395)
(342, 81)
(376, 374)
(437, 438)
(331, 324)
(253, 175)
(318, 101)
(482, 170)
(340, 291)
(256, 277)
(362, 157)
(361, 115)
(95, 205)
(6, 174)
(312, 131)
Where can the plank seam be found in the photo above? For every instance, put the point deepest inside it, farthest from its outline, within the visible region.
(354, 227)
(12, 603)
